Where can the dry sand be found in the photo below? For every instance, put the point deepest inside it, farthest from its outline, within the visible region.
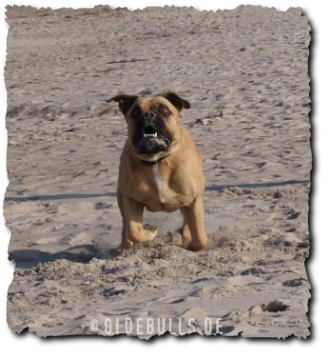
(245, 72)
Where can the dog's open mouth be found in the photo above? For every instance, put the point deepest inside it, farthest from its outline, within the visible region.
(150, 132)
(152, 141)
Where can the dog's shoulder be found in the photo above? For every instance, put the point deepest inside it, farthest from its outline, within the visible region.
(123, 154)
(190, 141)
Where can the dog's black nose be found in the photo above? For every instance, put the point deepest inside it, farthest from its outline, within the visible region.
(149, 116)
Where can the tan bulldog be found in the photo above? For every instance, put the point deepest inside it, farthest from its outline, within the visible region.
(160, 169)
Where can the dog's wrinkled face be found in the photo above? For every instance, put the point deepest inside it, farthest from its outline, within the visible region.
(153, 124)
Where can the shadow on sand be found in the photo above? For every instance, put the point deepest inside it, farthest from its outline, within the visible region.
(31, 258)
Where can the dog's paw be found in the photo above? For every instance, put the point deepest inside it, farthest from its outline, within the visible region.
(150, 232)
(186, 243)
(193, 246)
(125, 245)
(150, 227)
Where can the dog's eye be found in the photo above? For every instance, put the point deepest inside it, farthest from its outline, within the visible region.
(136, 112)
(165, 111)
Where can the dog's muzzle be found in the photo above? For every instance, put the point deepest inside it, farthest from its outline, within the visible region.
(150, 138)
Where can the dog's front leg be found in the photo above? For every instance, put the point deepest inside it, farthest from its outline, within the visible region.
(133, 216)
(194, 218)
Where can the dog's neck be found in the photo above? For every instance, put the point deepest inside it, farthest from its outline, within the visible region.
(153, 162)
(171, 152)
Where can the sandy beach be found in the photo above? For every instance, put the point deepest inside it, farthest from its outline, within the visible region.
(245, 73)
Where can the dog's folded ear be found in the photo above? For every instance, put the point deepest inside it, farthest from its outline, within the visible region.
(125, 102)
(176, 100)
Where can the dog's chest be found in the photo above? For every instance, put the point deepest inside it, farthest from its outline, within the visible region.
(159, 192)
(161, 184)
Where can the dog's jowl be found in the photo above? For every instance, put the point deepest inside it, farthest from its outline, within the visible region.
(160, 169)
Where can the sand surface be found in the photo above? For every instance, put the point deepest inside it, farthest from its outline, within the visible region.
(245, 73)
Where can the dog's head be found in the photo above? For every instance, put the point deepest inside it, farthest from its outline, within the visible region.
(153, 124)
